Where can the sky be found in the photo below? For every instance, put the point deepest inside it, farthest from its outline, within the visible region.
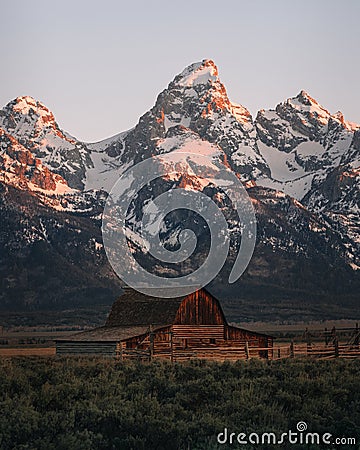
(98, 66)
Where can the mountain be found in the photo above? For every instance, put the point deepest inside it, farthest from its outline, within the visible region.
(22, 169)
(302, 143)
(299, 163)
(50, 258)
(34, 127)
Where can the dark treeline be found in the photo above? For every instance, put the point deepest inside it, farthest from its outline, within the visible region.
(84, 404)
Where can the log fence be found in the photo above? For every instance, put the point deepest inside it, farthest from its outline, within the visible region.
(175, 350)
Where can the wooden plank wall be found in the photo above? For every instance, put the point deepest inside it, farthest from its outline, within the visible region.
(200, 308)
(86, 348)
(198, 331)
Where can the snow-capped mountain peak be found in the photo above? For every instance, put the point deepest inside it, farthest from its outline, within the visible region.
(305, 98)
(306, 104)
(303, 103)
(195, 101)
(198, 73)
(339, 116)
(201, 81)
(24, 103)
(308, 150)
(28, 118)
(34, 126)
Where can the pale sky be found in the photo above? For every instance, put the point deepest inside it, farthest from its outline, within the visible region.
(99, 65)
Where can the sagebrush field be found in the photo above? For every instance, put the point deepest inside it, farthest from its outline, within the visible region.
(83, 404)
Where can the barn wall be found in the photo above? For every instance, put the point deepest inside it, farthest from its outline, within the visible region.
(162, 335)
(199, 308)
(238, 334)
(198, 331)
(135, 342)
(86, 348)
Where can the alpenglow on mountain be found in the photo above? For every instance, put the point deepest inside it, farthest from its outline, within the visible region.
(299, 162)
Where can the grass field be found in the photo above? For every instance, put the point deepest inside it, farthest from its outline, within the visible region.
(91, 403)
(270, 327)
(28, 351)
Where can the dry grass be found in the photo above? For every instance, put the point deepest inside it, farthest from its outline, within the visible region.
(35, 351)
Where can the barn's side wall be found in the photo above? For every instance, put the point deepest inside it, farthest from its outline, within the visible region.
(239, 334)
(86, 348)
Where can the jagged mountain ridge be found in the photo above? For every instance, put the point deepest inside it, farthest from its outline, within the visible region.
(292, 148)
(288, 148)
(305, 143)
(298, 148)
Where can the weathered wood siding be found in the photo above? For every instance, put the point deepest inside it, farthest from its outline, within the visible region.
(86, 348)
(198, 331)
(238, 334)
(135, 342)
(199, 308)
(251, 339)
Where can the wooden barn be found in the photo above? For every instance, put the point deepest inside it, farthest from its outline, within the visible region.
(192, 326)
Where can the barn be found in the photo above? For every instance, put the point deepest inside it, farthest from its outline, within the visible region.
(148, 327)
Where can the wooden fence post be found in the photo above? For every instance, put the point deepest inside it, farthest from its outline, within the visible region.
(308, 341)
(247, 353)
(121, 351)
(292, 352)
(171, 347)
(151, 345)
(336, 345)
(267, 351)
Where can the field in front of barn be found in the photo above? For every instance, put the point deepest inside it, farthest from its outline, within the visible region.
(92, 403)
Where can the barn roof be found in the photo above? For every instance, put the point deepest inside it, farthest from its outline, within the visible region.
(107, 334)
(134, 308)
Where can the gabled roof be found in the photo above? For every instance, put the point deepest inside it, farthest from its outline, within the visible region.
(136, 309)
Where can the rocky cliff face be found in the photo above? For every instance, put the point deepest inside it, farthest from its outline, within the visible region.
(35, 128)
(22, 169)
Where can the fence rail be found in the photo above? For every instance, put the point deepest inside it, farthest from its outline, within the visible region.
(244, 351)
(181, 345)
